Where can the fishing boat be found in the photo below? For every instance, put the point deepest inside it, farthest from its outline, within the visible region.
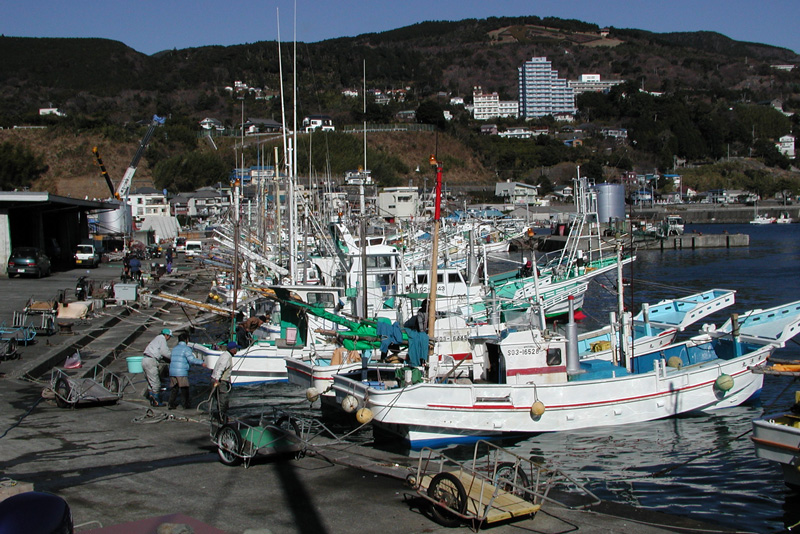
(760, 218)
(537, 383)
(290, 334)
(655, 326)
(776, 436)
(784, 218)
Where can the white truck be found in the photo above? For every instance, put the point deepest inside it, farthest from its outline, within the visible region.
(87, 254)
(193, 248)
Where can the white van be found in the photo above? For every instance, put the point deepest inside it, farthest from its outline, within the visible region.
(193, 248)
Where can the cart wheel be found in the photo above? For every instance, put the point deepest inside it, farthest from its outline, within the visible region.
(449, 497)
(62, 393)
(11, 349)
(229, 445)
(111, 383)
(510, 478)
(288, 424)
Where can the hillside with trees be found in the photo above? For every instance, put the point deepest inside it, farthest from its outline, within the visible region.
(698, 99)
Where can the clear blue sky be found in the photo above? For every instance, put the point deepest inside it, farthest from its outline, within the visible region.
(150, 26)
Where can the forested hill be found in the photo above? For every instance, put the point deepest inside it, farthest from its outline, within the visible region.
(693, 98)
(106, 78)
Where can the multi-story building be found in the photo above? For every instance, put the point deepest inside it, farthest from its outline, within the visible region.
(147, 201)
(587, 83)
(489, 106)
(542, 92)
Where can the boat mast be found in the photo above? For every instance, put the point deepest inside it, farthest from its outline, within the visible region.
(437, 213)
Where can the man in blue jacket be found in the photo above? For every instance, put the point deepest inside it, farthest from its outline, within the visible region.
(182, 356)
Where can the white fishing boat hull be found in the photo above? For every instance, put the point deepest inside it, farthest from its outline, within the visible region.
(777, 438)
(430, 414)
(262, 362)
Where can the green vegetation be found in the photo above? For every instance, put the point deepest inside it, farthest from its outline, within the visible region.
(697, 98)
(19, 167)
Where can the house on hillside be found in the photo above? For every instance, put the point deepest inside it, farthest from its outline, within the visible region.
(322, 122)
(256, 125)
(785, 146)
(210, 123)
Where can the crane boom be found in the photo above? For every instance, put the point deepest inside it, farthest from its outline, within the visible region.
(125, 184)
(103, 170)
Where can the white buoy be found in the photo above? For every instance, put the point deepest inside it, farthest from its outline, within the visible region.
(312, 394)
(537, 408)
(724, 382)
(349, 404)
(364, 416)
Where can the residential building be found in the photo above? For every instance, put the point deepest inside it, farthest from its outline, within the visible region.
(786, 146)
(542, 92)
(210, 123)
(323, 122)
(489, 129)
(591, 83)
(517, 192)
(52, 111)
(398, 203)
(205, 202)
(614, 133)
(519, 132)
(148, 201)
(485, 105)
(489, 106)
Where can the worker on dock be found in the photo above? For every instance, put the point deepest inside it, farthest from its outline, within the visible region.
(182, 356)
(156, 355)
(221, 379)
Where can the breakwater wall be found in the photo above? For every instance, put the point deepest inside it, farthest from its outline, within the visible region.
(696, 240)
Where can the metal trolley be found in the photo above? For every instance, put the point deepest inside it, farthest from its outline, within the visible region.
(104, 386)
(496, 485)
(238, 441)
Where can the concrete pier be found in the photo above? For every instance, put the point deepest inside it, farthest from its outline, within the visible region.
(694, 241)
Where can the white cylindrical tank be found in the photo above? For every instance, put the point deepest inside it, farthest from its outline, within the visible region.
(117, 221)
(610, 202)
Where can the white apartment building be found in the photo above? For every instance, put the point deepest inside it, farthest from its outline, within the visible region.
(542, 92)
(591, 83)
(147, 201)
(786, 146)
(489, 106)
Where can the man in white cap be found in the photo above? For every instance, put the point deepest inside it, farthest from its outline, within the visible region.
(221, 379)
(156, 354)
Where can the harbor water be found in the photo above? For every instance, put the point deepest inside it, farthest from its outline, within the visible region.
(702, 465)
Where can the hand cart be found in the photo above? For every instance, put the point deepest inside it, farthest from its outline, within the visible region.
(496, 485)
(279, 434)
(104, 386)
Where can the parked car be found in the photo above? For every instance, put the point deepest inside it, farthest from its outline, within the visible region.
(28, 260)
(87, 254)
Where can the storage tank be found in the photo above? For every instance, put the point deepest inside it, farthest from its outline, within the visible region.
(114, 221)
(610, 202)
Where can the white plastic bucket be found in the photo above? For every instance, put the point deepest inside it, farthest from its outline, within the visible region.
(291, 336)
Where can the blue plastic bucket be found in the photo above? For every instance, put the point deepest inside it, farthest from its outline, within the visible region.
(135, 364)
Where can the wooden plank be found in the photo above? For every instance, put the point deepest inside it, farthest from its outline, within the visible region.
(479, 498)
(504, 506)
